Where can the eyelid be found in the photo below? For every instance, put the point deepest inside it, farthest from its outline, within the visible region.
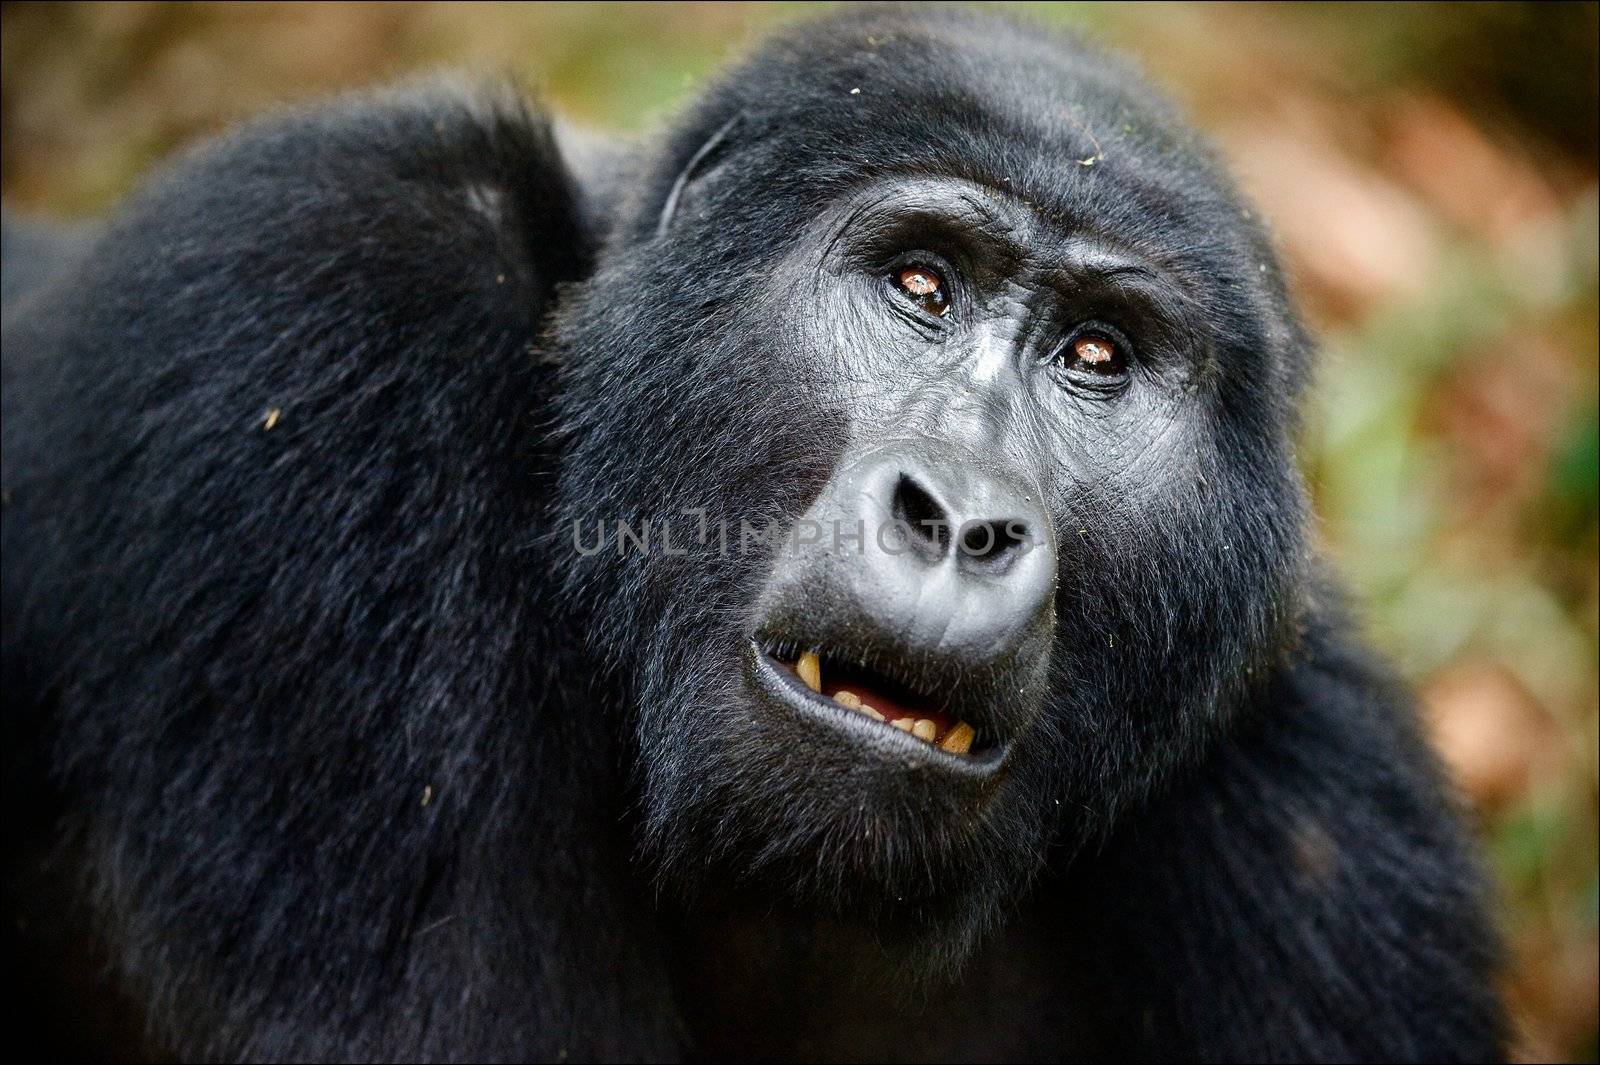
(1097, 327)
(927, 260)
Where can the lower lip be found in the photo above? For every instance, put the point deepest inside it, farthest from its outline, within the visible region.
(777, 682)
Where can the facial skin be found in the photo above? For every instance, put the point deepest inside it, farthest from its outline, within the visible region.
(1086, 354)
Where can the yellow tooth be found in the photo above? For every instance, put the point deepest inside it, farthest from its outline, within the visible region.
(958, 740)
(870, 712)
(902, 723)
(810, 669)
(925, 730)
(847, 698)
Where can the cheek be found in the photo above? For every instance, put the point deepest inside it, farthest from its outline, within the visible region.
(1118, 459)
(841, 337)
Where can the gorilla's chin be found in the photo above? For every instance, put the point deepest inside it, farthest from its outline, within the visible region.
(751, 797)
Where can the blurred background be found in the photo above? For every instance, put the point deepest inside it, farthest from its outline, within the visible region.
(1430, 170)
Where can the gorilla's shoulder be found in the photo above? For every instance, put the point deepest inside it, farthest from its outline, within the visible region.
(291, 334)
(440, 192)
(403, 245)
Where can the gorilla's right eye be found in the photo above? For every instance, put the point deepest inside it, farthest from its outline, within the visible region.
(925, 288)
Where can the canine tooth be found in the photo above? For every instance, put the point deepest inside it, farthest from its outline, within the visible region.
(902, 723)
(847, 698)
(809, 667)
(958, 740)
(870, 712)
(925, 730)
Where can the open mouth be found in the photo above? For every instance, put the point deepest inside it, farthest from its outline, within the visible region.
(835, 685)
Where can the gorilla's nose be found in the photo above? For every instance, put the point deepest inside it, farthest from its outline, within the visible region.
(933, 548)
(944, 516)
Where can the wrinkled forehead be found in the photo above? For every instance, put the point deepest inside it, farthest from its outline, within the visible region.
(1057, 125)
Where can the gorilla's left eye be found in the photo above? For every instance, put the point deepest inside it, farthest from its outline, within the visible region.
(1097, 352)
(925, 288)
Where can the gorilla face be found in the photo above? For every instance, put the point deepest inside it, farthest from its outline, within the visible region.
(982, 360)
(1004, 376)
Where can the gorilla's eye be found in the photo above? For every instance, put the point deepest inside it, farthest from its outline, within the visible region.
(925, 288)
(1095, 352)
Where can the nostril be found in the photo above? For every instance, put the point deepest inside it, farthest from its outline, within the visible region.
(920, 511)
(993, 543)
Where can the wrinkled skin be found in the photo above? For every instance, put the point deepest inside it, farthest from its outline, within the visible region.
(351, 731)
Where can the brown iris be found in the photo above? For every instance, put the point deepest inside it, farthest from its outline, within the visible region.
(1097, 353)
(925, 288)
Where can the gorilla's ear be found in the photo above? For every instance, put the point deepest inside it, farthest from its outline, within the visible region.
(701, 162)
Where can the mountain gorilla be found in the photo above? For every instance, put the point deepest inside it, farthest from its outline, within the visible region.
(831, 582)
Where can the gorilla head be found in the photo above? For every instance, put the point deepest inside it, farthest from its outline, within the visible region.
(958, 307)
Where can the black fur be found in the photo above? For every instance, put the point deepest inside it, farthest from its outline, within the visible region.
(348, 753)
